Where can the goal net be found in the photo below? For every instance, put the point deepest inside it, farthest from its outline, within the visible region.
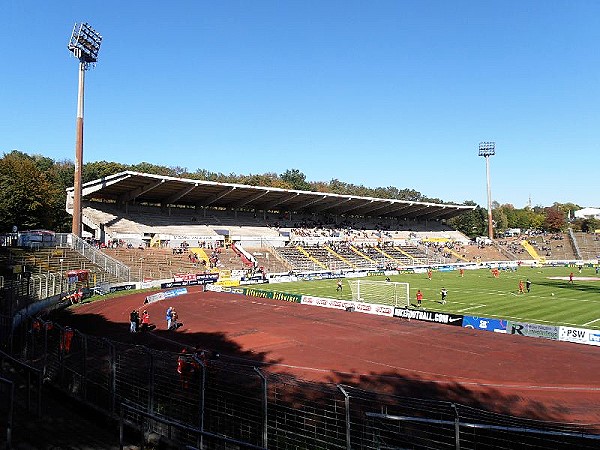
(381, 292)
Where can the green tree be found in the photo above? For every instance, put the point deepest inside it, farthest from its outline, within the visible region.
(28, 194)
(99, 169)
(154, 169)
(590, 225)
(500, 218)
(295, 180)
(471, 223)
(567, 208)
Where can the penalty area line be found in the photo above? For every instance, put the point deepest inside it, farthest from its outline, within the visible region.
(590, 322)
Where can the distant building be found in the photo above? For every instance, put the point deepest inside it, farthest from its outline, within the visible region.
(588, 213)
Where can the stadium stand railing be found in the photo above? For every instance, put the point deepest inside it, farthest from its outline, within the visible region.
(109, 265)
(587, 244)
(216, 398)
(267, 257)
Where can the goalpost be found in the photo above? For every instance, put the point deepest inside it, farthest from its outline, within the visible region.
(382, 292)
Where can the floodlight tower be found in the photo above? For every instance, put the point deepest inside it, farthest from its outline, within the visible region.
(487, 149)
(85, 44)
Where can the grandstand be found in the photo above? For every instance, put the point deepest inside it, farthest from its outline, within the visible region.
(157, 227)
(588, 245)
(289, 230)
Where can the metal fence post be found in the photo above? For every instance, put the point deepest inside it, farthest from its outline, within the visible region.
(456, 427)
(112, 360)
(84, 375)
(121, 433)
(265, 404)
(202, 387)
(39, 394)
(151, 385)
(347, 405)
(9, 418)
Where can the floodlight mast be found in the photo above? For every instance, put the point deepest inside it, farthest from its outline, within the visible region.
(487, 149)
(85, 45)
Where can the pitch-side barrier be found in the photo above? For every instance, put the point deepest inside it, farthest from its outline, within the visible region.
(496, 325)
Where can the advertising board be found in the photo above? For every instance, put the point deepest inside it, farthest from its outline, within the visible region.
(429, 316)
(484, 323)
(367, 308)
(532, 330)
(579, 335)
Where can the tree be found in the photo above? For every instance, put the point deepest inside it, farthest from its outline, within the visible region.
(471, 223)
(154, 169)
(28, 194)
(100, 169)
(555, 220)
(500, 219)
(61, 175)
(295, 180)
(590, 225)
(566, 208)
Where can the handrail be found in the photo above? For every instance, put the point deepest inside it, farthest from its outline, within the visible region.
(574, 243)
(106, 262)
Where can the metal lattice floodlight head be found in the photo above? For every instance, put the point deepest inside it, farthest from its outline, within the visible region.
(487, 148)
(85, 43)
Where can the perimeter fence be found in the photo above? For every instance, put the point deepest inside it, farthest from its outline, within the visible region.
(202, 400)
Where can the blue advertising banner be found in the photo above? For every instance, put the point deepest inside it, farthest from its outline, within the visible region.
(484, 323)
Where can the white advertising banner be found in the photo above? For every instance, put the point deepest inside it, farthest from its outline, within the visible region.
(368, 308)
(579, 335)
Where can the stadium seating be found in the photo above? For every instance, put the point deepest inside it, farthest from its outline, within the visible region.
(588, 243)
(304, 242)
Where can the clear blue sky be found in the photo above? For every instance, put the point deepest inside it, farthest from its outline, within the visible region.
(378, 93)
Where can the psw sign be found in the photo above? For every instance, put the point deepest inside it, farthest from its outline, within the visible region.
(580, 335)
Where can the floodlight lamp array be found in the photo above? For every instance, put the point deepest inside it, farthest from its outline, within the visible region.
(487, 148)
(85, 43)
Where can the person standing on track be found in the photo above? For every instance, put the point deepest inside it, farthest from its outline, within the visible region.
(134, 319)
(169, 317)
(145, 321)
(174, 317)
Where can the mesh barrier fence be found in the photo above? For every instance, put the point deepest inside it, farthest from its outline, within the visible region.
(196, 401)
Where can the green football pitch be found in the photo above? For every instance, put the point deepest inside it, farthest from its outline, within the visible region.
(552, 299)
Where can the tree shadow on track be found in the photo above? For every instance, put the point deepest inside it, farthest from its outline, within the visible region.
(481, 396)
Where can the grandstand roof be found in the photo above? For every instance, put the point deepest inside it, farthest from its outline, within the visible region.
(132, 186)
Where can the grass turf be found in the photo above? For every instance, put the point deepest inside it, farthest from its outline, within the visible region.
(478, 293)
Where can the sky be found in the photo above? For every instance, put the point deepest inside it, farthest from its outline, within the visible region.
(374, 93)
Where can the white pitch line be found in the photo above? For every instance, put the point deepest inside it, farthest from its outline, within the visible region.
(592, 321)
(472, 307)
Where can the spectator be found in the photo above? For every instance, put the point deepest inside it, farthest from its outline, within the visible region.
(134, 320)
(145, 321)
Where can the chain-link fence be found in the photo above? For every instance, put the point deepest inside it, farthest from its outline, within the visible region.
(198, 400)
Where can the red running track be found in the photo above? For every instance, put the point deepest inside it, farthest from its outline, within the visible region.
(535, 378)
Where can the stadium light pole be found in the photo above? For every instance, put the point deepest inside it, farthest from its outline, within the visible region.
(85, 45)
(487, 149)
